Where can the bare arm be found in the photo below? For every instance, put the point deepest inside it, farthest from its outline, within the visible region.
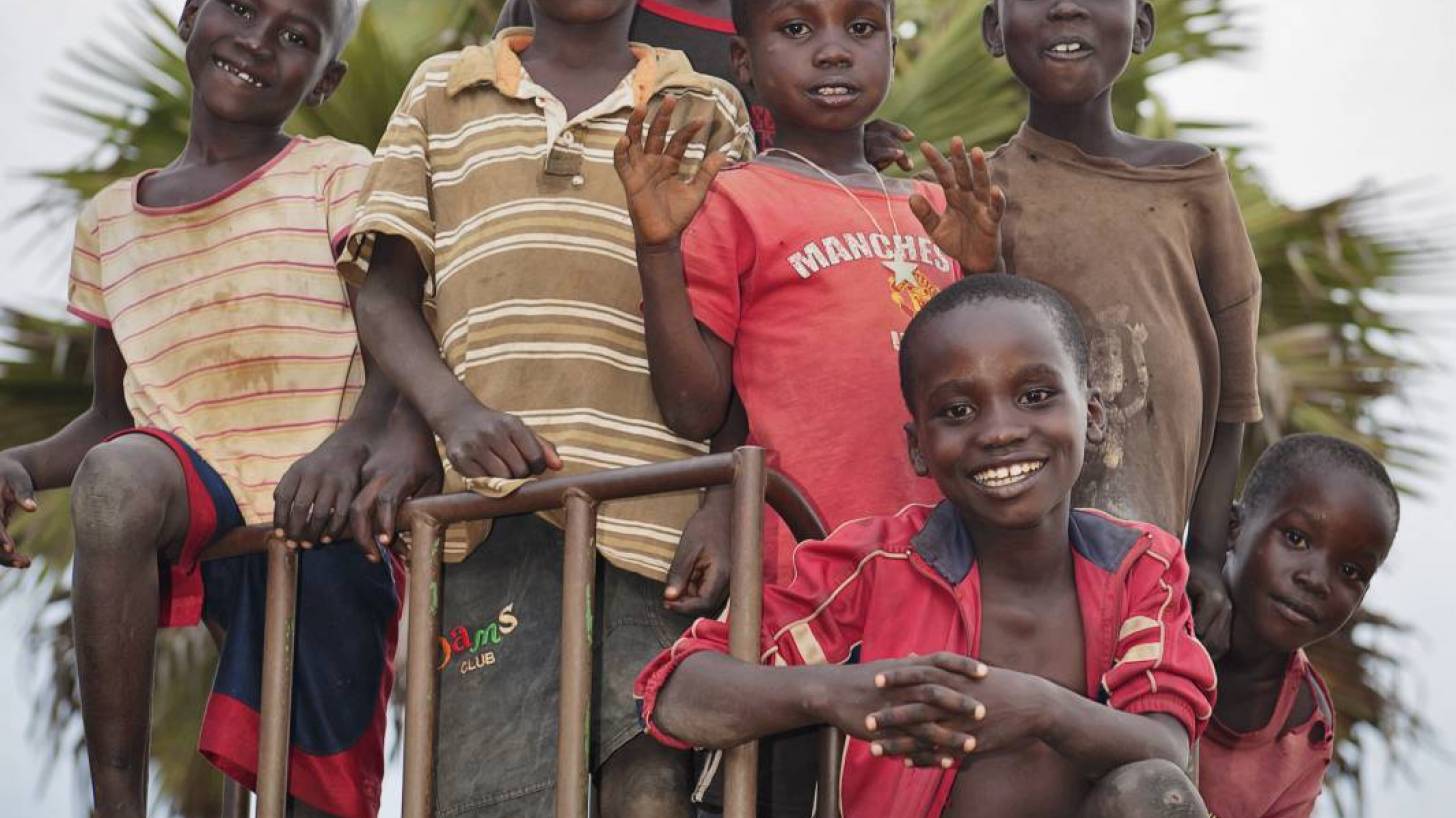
(478, 440)
(1208, 531)
(52, 463)
(692, 369)
(1098, 739)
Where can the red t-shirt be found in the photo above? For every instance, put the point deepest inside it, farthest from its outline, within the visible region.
(796, 278)
(1275, 771)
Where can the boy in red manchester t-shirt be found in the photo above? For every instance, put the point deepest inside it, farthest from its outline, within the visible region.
(799, 272)
(1315, 523)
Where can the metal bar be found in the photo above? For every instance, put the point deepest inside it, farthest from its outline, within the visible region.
(234, 799)
(578, 581)
(745, 605)
(278, 631)
(422, 683)
(831, 750)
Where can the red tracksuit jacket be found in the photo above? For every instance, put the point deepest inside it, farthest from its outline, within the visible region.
(885, 587)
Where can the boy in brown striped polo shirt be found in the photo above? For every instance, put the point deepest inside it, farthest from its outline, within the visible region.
(493, 191)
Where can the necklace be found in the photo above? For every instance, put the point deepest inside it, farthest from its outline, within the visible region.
(903, 269)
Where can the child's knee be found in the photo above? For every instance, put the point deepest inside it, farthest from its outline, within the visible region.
(647, 779)
(121, 495)
(1146, 789)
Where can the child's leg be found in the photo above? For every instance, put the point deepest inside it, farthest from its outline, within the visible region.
(1147, 789)
(129, 504)
(646, 779)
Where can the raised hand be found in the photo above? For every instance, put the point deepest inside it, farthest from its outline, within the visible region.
(661, 202)
(883, 143)
(969, 230)
(16, 491)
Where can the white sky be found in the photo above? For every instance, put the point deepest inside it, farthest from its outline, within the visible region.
(1337, 94)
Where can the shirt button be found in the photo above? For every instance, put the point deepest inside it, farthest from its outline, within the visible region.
(578, 180)
(568, 139)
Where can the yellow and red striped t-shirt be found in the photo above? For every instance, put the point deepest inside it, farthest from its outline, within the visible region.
(233, 321)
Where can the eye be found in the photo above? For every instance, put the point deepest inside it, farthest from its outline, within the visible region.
(1039, 395)
(862, 28)
(1296, 539)
(240, 10)
(796, 30)
(1351, 571)
(958, 411)
(294, 38)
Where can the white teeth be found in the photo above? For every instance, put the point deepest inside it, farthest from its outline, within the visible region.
(239, 73)
(832, 91)
(997, 476)
(1067, 48)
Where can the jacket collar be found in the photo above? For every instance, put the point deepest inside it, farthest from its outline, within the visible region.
(498, 64)
(945, 544)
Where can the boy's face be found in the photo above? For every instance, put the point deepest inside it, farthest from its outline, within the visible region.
(580, 11)
(1000, 418)
(253, 61)
(1067, 52)
(1303, 560)
(822, 64)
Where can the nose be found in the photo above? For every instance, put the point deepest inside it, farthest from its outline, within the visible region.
(1313, 579)
(1066, 10)
(1000, 428)
(254, 38)
(833, 53)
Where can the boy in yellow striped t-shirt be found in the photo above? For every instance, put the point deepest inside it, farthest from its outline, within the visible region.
(493, 189)
(225, 351)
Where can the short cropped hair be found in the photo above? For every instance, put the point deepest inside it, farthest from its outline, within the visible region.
(976, 289)
(743, 12)
(1303, 455)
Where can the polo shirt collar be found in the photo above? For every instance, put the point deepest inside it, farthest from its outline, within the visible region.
(498, 64)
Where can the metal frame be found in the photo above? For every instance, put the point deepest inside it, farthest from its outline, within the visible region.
(426, 519)
(578, 495)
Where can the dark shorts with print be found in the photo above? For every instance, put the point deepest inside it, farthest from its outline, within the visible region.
(500, 657)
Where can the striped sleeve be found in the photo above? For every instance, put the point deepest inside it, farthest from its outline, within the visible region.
(731, 132)
(395, 199)
(1160, 665)
(817, 619)
(84, 296)
(340, 193)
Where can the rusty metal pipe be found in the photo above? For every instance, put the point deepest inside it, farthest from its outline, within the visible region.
(578, 585)
(745, 605)
(277, 705)
(422, 683)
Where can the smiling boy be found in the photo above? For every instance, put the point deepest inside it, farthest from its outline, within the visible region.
(1144, 236)
(1051, 667)
(1315, 523)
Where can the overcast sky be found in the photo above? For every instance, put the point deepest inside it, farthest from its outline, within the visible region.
(1337, 94)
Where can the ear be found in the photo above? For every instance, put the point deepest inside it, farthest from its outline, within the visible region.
(742, 63)
(1236, 521)
(1096, 417)
(1146, 26)
(991, 30)
(912, 445)
(327, 84)
(188, 17)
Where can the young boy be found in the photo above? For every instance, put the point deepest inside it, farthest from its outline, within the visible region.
(224, 351)
(1316, 521)
(493, 188)
(788, 281)
(704, 30)
(1145, 237)
(1086, 687)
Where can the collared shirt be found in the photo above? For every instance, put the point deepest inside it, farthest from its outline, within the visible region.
(229, 312)
(520, 220)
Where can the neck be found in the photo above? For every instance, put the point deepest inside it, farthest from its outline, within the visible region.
(839, 152)
(1088, 125)
(1250, 658)
(211, 141)
(1026, 557)
(595, 47)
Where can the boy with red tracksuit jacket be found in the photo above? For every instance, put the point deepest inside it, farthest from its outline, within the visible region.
(999, 653)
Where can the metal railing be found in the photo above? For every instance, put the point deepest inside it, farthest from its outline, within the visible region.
(426, 519)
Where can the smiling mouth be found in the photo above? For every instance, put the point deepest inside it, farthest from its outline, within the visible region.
(834, 94)
(997, 477)
(1069, 50)
(239, 73)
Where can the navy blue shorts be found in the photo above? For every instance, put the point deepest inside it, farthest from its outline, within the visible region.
(346, 628)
